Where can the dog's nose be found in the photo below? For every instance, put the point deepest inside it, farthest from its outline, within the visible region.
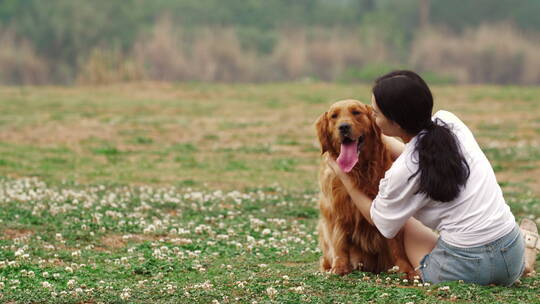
(344, 127)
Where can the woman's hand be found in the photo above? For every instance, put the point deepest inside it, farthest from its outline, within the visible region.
(360, 200)
(345, 179)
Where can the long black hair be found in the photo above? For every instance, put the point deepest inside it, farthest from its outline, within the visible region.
(405, 98)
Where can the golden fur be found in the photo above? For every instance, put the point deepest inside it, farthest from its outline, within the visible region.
(347, 240)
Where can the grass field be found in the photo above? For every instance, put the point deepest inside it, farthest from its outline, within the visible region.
(200, 193)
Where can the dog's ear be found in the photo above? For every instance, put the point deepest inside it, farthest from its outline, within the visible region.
(323, 133)
(374, 128)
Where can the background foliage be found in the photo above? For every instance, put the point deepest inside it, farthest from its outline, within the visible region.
(55, 41)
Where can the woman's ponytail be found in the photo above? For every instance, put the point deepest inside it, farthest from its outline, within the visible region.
(442, 167)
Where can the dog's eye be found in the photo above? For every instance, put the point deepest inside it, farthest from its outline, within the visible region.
(334, 115)
(356, 112)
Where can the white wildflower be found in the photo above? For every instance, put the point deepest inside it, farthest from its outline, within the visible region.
(271, 292)
(299, 289)
(125, 294)
(205, 285)
(394, 269)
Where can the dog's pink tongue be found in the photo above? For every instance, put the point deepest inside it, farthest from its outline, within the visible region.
(348, 156)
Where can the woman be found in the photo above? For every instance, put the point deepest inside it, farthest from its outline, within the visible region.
(442, 180)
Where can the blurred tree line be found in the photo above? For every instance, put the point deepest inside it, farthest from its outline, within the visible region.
(59, 37)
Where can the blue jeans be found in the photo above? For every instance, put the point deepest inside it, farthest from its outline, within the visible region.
(500, 262)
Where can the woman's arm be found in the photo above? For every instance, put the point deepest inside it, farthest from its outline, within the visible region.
(360, 200)
(395, 146)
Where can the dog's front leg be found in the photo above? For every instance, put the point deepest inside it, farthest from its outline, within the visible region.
(324, 242)
(340, 243)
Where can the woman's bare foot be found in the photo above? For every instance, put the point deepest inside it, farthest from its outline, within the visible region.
(532, 244)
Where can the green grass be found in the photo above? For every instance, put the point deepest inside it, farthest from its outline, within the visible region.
(191, 193)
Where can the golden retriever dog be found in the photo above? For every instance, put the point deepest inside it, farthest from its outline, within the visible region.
(348, 133)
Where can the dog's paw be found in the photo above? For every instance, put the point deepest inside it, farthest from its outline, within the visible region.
(412, 275)
(325, 264)
(341, 268)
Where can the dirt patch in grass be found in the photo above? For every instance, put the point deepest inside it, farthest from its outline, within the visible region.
(117, 241)
(11, 234)
(113, 241)
(529, 177)
(293, 264)
(55, 134)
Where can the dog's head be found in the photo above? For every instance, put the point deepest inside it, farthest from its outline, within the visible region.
(344, 129)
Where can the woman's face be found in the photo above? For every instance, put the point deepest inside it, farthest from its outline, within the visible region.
(387, 126)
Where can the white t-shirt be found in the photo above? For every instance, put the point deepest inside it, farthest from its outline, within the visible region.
(479, 215)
